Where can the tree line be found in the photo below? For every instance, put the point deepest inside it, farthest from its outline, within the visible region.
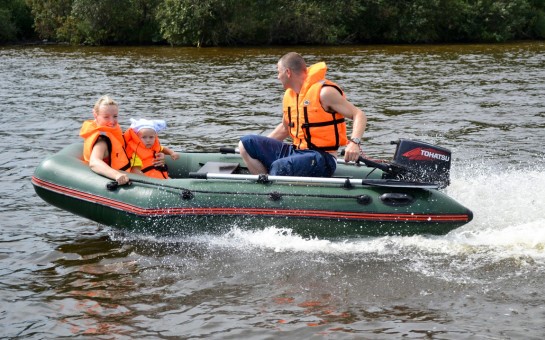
(269, 22)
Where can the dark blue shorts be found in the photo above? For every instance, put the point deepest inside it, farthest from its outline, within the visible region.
(282, 159)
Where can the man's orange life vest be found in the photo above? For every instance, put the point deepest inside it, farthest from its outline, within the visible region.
(147, 156)
(309, 125)
(90, 131)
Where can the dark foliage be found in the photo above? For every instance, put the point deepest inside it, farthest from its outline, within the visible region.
(268, 22)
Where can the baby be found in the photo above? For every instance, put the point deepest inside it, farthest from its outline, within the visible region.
(142, 145)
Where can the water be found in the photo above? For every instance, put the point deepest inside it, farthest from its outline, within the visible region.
(64, 276)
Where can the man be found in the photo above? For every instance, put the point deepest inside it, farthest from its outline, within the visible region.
(314, 110)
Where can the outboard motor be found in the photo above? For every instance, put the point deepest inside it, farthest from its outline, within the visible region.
(417, 161)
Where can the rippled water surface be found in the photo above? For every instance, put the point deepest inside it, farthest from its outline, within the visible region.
(65, 276)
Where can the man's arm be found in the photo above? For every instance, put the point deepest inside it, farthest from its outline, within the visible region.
(333, 101)
(280, 132)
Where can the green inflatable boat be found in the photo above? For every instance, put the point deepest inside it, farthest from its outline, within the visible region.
(213, 192)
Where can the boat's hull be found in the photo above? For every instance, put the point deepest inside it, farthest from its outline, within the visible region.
(188, 205)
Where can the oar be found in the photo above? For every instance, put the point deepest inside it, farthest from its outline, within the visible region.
(385, 167)
(370, 163)
(113, 185)
(366, 161)
(312, 180)
(225, 149)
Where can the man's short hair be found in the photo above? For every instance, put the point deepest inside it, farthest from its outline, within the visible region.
(294, 61)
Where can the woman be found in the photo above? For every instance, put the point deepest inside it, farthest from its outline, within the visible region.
(104, 146)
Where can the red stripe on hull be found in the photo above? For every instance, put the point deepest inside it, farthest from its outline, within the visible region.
(242, 211)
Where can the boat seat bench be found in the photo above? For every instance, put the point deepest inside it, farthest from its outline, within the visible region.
(219, 168)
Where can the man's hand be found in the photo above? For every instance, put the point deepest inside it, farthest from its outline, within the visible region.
(352, 152)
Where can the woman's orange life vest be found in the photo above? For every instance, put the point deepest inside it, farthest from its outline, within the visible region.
(309, 125)
(147, 156)
(90, 131)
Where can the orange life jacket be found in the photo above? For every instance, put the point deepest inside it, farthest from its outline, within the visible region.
(147, 156)
(90, 131)
(309, 125)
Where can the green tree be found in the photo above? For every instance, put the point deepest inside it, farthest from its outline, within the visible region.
(49, 16)
(537, 22)
(257, 22)
(15, 21)
(444, 20)
(197, 23)
(108, 21)
(314, 21)
(96, 21)
(8, 31)
(225, 22)
(499, 20)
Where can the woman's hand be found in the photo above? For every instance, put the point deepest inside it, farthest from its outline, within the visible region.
(159, 159)
(121, 178)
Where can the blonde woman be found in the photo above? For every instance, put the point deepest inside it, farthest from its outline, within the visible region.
(104, 146)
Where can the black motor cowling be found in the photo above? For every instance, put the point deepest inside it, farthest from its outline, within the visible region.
(417, 161)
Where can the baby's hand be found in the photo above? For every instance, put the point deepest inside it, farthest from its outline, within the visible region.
(174, 155)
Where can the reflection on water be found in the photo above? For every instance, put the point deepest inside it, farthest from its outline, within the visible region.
(62, 276)
(87, 284)
(112, 284)
(101, 286)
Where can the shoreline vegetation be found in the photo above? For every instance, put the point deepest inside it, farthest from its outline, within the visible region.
(206, 23)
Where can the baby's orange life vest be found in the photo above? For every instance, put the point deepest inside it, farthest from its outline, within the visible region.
(90, 131)
(147, 156)
(309, 125)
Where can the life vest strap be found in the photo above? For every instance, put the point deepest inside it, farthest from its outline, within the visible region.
(110, 148)
(152, 167)
(125, 167)
(331, 122)
(324, 148)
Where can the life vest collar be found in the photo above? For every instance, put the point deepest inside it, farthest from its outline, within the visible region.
(90, 131)
(315, 73)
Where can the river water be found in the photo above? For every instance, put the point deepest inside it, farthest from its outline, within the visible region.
(65, 276)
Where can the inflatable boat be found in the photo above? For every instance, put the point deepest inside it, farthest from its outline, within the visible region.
(213, 191)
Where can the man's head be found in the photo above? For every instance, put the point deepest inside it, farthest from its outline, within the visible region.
(292, 70)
